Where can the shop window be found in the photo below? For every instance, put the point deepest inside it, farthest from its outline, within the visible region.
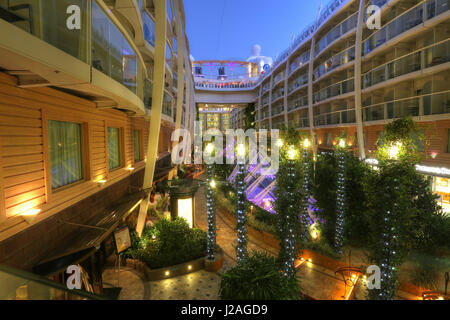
(114, 149)
(66, 154)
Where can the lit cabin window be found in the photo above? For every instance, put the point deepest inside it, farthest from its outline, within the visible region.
(66, 155)
(114, 152)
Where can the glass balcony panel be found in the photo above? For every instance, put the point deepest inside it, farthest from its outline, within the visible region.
(111, 53)
(47, 20)
(436, 103)
(437, 54)
(374, 113)
(407, 64)
(149, 28)
(148, 93)
(167, 104)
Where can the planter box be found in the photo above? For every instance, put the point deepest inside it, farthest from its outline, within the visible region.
(216, 264)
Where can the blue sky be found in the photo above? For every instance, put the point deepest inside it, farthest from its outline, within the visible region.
(227, 29)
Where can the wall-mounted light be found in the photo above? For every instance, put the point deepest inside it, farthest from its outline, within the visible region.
(29, 215)
(101, 182)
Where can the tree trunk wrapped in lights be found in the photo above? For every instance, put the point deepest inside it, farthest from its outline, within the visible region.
(340, 197)
(241, 248)
(306, 193)
(211, 212)
(289, 205)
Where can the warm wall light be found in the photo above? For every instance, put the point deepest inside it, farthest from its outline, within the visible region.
(167, 273)
(29, 215)
(131, 169)
(101, 183)
(189, 267)
(342, 143)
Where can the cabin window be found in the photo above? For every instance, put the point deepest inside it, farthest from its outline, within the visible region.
(114, 148)
(66, 154)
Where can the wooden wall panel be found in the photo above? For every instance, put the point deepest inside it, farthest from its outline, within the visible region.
(24, 114)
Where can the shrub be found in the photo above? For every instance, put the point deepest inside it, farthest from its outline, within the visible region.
(258, 278)
(174, 243)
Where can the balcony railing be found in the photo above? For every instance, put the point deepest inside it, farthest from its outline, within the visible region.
(149, 28)
(148, 93)
(299, 123)
(335, 118)
(298, 103)
(406, 21)
(418, 60)
(167, 104)
(334, 90)
(277, 110)
(298, 82)
(337, 60)
(344, 27)
(430, 104)
(278, 94)
(299, 62)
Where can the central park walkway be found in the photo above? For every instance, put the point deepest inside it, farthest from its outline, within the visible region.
(317, 282)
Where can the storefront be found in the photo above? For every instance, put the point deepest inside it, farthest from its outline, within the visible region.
(440, 183)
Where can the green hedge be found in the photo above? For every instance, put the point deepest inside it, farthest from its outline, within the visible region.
(169, 242)
(258, 278)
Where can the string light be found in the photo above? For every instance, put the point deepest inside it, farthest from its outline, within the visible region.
(304, 214)
(340, 197)
(241, 248)
(210, 207)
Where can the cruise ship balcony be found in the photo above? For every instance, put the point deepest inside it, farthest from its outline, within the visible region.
(98, 61)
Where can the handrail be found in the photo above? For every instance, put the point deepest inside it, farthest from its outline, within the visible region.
(405, 55)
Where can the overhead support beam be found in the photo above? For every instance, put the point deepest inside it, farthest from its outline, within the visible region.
(358, 103)
(155, 115)
(180, 69)
(310, 95)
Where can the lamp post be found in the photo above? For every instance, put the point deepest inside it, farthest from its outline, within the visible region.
(210, 206)
(241, 249)
(340, 197)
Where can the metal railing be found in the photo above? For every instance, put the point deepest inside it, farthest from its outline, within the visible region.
(429, 104)
(334, 90)
(339, 59)
(298, 82)
(299, 62)
(299, 123)
(407, 20)
(298, 103)
(336, 33)
(429, 56)
(336, 117)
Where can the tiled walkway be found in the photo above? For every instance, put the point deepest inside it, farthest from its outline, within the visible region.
(316, 281)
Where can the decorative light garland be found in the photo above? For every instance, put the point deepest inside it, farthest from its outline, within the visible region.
(211, 212)
(289, 241)
(304, 215)
(241, 248)
(340, 198)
